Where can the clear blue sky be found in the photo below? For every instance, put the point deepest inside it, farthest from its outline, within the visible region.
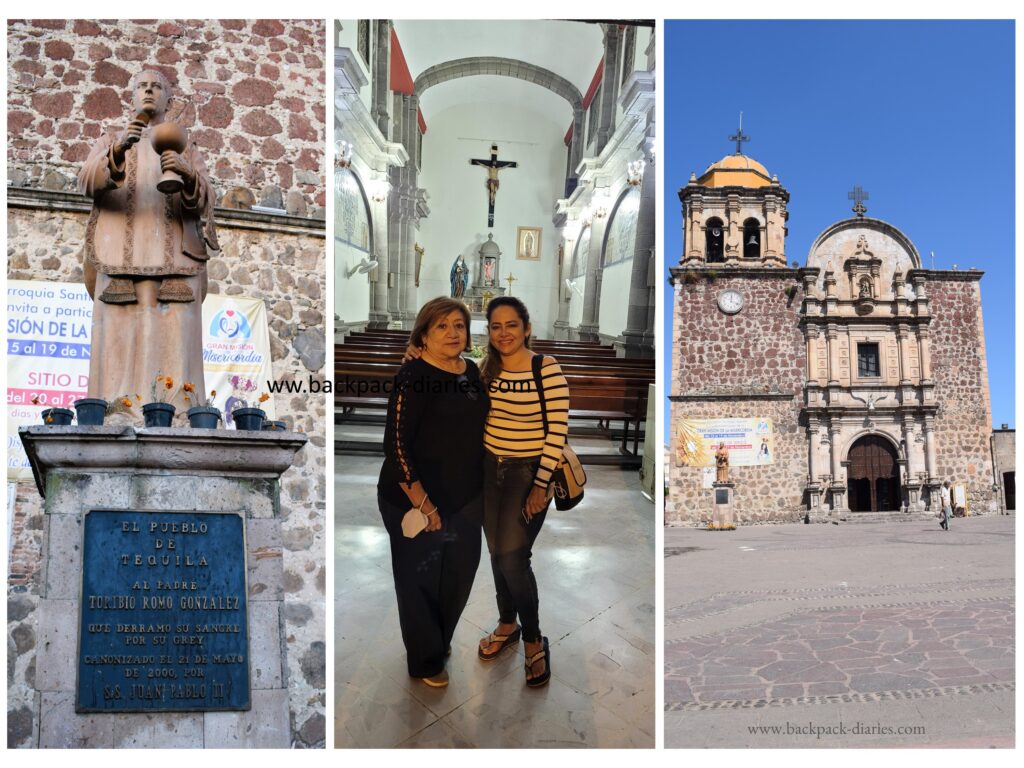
(919, 113)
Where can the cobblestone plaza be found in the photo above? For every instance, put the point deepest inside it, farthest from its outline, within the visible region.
(872, 634)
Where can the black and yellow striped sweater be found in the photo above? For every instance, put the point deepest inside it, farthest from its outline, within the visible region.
(515, 426)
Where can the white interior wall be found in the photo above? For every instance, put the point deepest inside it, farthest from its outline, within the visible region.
(351, 294)
(458, 195)
(347, 38)
(615, 298)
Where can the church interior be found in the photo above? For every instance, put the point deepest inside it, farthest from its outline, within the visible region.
(475, 160)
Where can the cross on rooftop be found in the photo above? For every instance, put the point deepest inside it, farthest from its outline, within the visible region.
(739, 137)
(858, 196)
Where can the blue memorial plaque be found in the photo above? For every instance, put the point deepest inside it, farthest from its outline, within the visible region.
(163, 617)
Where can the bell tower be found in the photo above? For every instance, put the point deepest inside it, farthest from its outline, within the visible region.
(734, 213)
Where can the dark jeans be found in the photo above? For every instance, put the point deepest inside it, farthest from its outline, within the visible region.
(433, 577)
(507, 483)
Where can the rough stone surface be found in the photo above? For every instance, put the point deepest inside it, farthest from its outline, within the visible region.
(709, 357)
(70, 71)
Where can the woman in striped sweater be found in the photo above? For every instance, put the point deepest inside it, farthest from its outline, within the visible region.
(519, 459)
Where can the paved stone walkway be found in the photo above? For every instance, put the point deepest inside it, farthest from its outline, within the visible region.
(902, 628)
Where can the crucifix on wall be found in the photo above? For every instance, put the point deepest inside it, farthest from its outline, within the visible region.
(493, 165)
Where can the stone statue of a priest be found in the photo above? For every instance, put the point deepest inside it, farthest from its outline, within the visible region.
(146, 251)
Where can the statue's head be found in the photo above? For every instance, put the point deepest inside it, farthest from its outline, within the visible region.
(150, 92)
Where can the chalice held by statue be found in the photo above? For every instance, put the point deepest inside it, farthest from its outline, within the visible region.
(169, 137)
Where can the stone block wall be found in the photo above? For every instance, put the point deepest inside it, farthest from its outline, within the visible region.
(963, 425)
(759, 352)
(773, 493)
(759, 348)
(250, 93)
(281, 261)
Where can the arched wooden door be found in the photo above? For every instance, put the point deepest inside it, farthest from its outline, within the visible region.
(873, 476)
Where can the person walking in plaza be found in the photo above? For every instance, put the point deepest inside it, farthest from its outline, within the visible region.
(433, 447)
(947, 505)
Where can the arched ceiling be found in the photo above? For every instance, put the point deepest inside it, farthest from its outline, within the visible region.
(569, 49)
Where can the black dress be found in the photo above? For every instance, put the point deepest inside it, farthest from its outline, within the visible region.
(434, 434)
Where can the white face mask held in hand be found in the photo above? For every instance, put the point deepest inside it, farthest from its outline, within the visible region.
(414, 521)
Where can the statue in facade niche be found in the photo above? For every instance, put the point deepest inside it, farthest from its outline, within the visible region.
(147, 243)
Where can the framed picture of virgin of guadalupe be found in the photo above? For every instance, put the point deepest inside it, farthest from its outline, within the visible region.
(528, 243)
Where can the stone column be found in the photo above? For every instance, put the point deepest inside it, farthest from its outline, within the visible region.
(812, 449)
(590, 327)
(903, 337)
(410, 104)
(929, 448)
(832, 333)
(834, 434)
(924, 347)
(639, 332)
(609, 87)
(579, 117)
(812, 354)
(561, 327)
(379, 316)
(380, 90)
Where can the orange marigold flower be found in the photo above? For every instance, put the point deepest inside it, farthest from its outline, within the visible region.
(213, 393)
(127, 403)
(264, 397)
(188, 387)
(49, 419)
(169, 382)
(35, 399)
(187, 400)
(138, 397)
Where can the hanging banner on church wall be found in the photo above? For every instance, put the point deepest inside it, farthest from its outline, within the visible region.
(750, 442)
(49, 328)
(49, 337)
(236, 353)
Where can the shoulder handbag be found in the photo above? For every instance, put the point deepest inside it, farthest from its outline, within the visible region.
(568, 479)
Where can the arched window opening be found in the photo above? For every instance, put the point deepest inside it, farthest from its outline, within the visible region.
(751, 239)
(715, 241)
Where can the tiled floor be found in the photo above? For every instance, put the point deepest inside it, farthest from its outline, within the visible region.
(595, 571)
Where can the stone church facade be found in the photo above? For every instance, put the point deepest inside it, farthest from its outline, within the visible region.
(856, 383)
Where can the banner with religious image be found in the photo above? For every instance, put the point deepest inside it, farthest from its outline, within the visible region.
(49, 326)
(750, 442)
(236, 354)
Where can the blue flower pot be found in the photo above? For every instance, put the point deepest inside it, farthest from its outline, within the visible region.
(90, 411)
(203, 417)
(158, 414)
(249, 418)
(58, 417)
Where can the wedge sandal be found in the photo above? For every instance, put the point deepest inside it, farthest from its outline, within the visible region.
(542, 679)
(507, 641)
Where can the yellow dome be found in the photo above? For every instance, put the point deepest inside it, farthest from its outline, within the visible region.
(735, 171)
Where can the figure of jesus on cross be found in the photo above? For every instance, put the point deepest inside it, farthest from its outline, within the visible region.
(493, 165)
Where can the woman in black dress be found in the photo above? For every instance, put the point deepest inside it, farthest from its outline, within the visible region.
(433, 445)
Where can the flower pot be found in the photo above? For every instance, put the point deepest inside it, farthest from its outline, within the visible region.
(158, 414)
(248, 418)
(58, 417)
(203, 417)
(90, 411)
(274, 426)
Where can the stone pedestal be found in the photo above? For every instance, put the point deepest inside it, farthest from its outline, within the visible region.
(159, 476)
(838, 494)
(723, 515)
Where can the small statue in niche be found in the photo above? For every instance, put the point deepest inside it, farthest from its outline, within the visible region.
(865, 288)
